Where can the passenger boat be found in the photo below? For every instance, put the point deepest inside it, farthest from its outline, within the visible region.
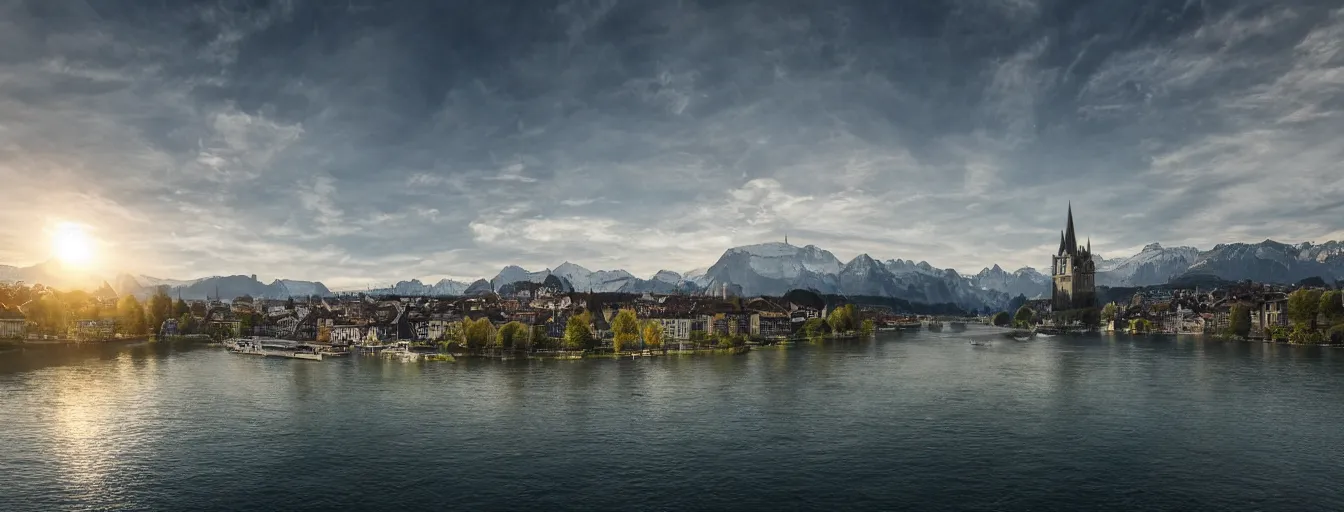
(934, 326)
(957, 326)
(271, 347)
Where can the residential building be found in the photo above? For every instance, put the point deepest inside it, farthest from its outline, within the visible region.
(13, 325)
(676, 328)
(771, 325)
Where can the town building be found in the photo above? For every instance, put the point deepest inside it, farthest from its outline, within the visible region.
(771, 325)
(13, 325)
(1073, 273)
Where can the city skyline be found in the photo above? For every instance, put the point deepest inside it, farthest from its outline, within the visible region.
(373, 142)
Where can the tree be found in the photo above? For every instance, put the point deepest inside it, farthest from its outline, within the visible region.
(289, 304)
(1000, 319)
(130, 316)
(1332, 306)
(1108, 312)
(512, 336)
(1017, 302)
(186, 324)
(578, 336)
(1024, 317)
(814, 328)
(624, 329)
(160, 309)
(843, 319)
(653, 335)
(699, 338)
(1140, 326)
(480, 332)
(1240, 323)
(181, 308)
(868, 327)
(1303, 305)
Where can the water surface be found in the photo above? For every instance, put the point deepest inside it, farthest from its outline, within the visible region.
(918, 421)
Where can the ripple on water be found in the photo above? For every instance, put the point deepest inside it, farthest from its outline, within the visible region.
(905, 422)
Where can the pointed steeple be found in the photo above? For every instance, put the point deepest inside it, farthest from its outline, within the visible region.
(1089, 245)
(1070, 240)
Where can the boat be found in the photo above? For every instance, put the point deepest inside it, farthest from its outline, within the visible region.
(981, 343)
(957, 326)
(934, 326)
(271, 347)
(401, 351)
(1020, 335)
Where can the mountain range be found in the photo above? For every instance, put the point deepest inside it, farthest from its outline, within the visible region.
(775, 268)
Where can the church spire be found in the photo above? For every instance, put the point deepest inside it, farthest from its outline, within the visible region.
(1070, 240)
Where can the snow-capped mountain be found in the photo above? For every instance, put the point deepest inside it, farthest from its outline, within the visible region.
(222, 287)
(583, 279)
(865, 276)
(514, 273)
(667, 276)
(1153, 265)
(1025, 281)
(445, 287)
(775, 268)
(1271, 261)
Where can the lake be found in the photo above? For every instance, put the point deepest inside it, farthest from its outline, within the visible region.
(918, 421)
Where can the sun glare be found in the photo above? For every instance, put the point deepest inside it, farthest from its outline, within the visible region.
(72, 245)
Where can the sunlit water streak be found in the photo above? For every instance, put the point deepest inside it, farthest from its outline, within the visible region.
(917, 421)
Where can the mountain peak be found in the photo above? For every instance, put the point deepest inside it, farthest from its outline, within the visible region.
(1152, 247)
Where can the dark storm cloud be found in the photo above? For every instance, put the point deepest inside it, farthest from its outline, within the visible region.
(363, 141)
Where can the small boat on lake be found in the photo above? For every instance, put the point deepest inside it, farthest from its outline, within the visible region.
(934, 326)
(957, 326)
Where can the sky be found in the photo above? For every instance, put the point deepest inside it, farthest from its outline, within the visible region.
(362, 142)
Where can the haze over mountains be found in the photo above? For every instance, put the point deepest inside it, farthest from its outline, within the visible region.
(775, 268)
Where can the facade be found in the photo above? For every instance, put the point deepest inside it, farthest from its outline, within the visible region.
(771, 325)
(676, 328)
(12, 326)
(1073, 273)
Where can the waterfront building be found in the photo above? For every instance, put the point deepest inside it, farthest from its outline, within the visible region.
(13, 325)
(676, 328)
(1073, 273)
(771, 325)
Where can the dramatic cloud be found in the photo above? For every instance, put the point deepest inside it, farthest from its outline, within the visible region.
(363, 142)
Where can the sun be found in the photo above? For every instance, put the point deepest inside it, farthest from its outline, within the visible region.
(72, 245)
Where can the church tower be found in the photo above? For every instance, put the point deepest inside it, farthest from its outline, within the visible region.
(1073, 273)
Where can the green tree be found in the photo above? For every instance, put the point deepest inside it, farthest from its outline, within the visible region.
(186, 324)
(479, 333)
(1140, 326)
(868, 327)
(159, 309)
(1303, 305)
(1024, 317)
(1240, 322)
(624, 330)
(180, 308)
(1332, 307)
(814, 328)
(653, 335)
(289, 303)
(843, 319)
(512, 336)
(699, 338)
(1000, 319)
(578, 335)
(130, 316)
(1108, 312)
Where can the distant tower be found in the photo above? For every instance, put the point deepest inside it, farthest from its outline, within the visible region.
(786, 239)
(1073, 273)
